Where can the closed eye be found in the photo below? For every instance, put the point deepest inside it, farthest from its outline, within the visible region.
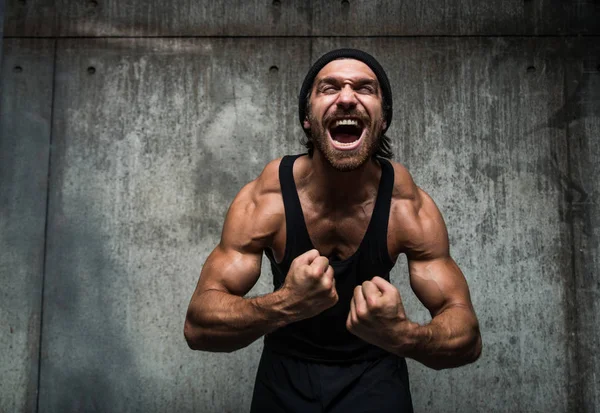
(366, 89)
(328, 89)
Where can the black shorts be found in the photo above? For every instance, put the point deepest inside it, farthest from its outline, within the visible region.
(288, 385)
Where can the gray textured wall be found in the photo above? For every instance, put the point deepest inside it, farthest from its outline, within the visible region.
(1, 28)
(121, 148)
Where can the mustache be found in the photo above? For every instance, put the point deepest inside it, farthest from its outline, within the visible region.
(363, 117)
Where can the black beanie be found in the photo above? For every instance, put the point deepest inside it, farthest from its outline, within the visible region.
(367, 59)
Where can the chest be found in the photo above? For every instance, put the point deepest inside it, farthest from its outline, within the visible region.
(337, 231)
(333, 233)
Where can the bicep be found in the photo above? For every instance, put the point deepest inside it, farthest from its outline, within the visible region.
(229, 270)
(439, 284)
(234, 266)
(435, 278)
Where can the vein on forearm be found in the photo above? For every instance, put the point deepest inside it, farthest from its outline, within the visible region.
(226, 322)
(451, 339)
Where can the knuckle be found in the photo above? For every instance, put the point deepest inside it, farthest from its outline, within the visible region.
(361, 313)
(311, 274)
(298, 259)
(372, 303)
(300, 271)
(309, 253)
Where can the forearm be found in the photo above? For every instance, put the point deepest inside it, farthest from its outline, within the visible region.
(218, 321)
(451, 339)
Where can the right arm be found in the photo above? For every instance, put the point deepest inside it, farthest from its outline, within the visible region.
(219, 318)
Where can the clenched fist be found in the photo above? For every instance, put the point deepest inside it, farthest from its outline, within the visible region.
(310, 285)
(376, 313)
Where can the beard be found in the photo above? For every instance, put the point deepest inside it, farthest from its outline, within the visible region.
(345, 161)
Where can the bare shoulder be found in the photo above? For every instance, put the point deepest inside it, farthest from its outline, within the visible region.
(269, 177)
(256, 213)
(404, 185)
(416, 226)
(406, 196)
(251, 222)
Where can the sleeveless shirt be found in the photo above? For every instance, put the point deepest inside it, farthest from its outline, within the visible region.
(324, 337)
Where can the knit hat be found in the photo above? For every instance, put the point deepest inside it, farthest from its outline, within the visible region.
(367, 59)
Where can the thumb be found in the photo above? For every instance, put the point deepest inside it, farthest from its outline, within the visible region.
(383, 285)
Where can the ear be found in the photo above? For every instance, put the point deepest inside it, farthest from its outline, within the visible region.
(384, 125)
(306, 123)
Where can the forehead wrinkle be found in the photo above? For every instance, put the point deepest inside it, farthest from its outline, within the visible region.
(341, 67)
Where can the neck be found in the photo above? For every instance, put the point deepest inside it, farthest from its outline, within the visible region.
(326, 185)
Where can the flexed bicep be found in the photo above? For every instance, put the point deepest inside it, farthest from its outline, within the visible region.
(435, 277)
(219, 317)
(439, 284)
(452, 336)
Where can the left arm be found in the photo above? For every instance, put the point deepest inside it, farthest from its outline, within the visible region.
(377, 315)
(452, 337)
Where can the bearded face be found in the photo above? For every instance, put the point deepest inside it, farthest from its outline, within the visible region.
(345, 114)
(347, 140)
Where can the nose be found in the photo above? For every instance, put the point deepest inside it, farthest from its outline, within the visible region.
(346, 98)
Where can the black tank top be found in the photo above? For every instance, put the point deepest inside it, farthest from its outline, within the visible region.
(324, 337)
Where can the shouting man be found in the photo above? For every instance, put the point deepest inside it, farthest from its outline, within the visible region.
(332, 223)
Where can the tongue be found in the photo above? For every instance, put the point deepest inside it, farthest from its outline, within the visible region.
(344, 137)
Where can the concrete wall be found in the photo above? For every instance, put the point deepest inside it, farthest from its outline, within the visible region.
(25, 128)
(121, 148)
(1, 27)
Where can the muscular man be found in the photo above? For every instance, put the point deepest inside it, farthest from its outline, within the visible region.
(332, 223)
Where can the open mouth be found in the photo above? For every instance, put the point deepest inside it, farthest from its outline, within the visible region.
(346, 134)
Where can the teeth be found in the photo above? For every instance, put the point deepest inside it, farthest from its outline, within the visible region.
(345, 144)
(353, 122)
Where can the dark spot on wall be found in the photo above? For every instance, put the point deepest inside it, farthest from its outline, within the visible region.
(488, 227)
